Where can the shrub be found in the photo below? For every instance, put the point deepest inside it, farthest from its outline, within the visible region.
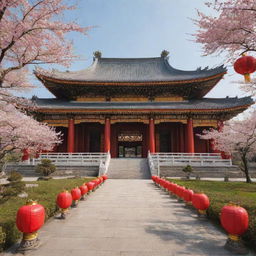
(46, 167)
(188, 170)
(14, 176)
(13, 189)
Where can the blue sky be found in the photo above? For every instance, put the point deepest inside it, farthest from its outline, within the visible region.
(143, 28)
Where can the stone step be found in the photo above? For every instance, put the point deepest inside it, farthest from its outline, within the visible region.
(128, 169)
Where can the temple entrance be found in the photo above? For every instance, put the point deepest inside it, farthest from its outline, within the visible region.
(130, 144)
(129, 150)
(94, 140)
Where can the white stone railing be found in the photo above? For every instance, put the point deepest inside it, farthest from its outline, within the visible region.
(71, 159)
(157, 160)
(103, 169)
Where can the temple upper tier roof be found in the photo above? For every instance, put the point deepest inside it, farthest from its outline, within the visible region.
(148, 77)
(133, 70)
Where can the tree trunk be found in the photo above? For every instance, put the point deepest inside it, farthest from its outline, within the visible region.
(246, 169)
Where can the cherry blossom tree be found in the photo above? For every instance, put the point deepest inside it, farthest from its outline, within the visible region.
(32, 32)
(19, 131)
(236, 136)
(231, 30)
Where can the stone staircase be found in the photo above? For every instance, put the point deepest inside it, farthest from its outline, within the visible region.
(128, 168)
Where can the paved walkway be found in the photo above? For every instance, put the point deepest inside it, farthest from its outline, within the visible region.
(130, 218)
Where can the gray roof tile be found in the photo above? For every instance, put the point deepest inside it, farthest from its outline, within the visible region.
(133, 70)
(205, 103)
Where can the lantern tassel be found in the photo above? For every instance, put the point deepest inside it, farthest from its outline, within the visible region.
(247, 78)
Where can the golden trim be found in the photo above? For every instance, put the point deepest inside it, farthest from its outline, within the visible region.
(131, 120)
(202, 212)
(129, 99)
(169, 99)
(233, 237)
(30, 236)
(200, 123)
(168, 120)
(91, 99)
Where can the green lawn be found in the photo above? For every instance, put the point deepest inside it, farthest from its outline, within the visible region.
(45, 194)
(221, 193)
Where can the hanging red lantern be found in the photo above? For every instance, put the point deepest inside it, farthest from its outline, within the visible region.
(201, 202)
(84, 190)
(76, 195)
(234, 219)
(245, 65)
(64, 201)
(29, 219)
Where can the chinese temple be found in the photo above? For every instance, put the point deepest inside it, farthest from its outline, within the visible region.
(129, 106)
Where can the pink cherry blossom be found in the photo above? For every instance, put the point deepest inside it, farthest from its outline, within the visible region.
(20, 131)
(236, 136)
(32, 32)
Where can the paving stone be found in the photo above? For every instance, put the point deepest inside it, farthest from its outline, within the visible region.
(130, 218)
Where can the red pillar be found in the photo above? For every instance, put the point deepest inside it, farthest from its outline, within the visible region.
(181, 139)
(107, 136)
(71, 136)
(152, 144)
(190, 136)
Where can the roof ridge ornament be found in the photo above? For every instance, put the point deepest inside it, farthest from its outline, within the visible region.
(164, 53)
(97, 55)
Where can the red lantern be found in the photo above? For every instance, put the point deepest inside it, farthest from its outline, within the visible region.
(64, 201)
(188, 194)
(201, 202)
(76, 195)
(84, 190)
(101, 180)
(245, 66)
(234, 219)
(90, 186)
(29, 219)
(105, 177)
(95, 182)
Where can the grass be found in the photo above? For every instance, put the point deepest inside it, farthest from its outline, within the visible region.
(45, 194)
(221, 193)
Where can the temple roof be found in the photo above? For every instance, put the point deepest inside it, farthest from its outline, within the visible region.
(132, 70)
(197, 104)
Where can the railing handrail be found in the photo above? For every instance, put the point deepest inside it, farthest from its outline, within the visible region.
(156, 160)
(74, 159)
